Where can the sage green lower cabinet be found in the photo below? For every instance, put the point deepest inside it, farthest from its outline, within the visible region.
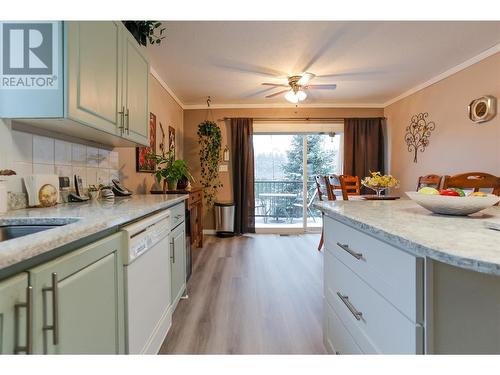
(78, 301)
(178, 263)
(14, 296)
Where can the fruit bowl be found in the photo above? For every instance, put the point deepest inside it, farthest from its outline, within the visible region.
(459, 206)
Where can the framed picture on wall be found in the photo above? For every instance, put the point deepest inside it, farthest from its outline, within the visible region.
(142, 163)
(171, 138)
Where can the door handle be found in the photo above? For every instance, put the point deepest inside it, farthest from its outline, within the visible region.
(55, 310)
(122, 126)
(128, 121)
(28, 348)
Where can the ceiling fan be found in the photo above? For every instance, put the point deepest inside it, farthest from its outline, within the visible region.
(295, 89)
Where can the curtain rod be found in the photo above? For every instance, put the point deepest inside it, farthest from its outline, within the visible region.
(312, 119)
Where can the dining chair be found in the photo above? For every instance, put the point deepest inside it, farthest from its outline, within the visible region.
(431, 180)
(350, 185)
(332, 184)
(473, 181)
(323, 195)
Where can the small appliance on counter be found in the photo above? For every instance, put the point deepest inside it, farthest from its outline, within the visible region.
(119, 190)
(43, 190)
(78, 195)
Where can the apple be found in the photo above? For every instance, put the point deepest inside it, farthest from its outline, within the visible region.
(427, 190)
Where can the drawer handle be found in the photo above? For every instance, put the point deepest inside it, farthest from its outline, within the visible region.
(357, 314)
(345, 247)
(55, 309)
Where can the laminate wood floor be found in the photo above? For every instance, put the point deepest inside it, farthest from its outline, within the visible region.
(255, 294)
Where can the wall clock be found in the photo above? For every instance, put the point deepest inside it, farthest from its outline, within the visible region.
(483, 109)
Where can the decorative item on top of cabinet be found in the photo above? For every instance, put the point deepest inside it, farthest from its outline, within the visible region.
(144, 31)
(483, 109)
(194, 204)
(142, 162)
(418, 133)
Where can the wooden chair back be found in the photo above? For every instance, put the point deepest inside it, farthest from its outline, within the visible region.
(350, 185)
(321, 187)
(472, 180)
(332, 183)
(432, 180)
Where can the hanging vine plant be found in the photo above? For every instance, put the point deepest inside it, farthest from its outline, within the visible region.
(210, 141)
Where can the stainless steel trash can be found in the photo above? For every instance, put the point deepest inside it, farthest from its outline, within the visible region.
(224, 219)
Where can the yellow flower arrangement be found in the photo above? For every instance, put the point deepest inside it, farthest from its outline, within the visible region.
(377, 180)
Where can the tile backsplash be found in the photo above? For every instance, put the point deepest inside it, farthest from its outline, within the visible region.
(38, 154)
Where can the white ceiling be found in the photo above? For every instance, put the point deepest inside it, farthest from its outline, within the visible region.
(371, 62)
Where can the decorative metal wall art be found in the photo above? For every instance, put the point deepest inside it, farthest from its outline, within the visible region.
(483, 109)
(418, 133)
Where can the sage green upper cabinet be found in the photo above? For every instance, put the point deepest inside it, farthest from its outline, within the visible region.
(94, 74)
(102, 87)
(135, 91)
(78, 301)
(14, 308)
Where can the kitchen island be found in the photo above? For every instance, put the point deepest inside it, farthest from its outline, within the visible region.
(399, 279)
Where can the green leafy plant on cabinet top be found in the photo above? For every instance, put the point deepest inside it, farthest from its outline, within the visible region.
(170, 169)
(144, 31)
(210, 141)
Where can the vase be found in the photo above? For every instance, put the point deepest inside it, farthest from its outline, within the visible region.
(182, 183)
(378, 190)
(172, 184)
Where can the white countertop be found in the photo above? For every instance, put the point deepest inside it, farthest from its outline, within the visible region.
(462, 241)
(85, 219)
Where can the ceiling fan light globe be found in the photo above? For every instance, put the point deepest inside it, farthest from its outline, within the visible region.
(292, 97)
(301, 95)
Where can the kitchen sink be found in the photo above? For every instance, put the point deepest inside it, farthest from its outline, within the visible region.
(9, 232)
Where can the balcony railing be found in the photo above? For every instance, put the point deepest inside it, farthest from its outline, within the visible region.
(288, 208)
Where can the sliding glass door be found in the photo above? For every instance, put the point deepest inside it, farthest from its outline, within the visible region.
(285, 166)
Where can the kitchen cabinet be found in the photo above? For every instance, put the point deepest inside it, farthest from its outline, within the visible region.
(15, 308)
(102, 87)
(194, 204)
(178, 263)
(78, 301)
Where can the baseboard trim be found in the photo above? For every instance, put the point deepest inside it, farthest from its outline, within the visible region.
(209, 232)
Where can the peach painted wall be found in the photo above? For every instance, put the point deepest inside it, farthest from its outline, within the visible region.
(193, 117)
(457, 144)
(169, 113)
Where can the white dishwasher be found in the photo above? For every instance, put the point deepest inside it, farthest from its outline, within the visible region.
(148, 316)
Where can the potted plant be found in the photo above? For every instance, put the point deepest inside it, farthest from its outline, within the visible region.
(144, 31)
(170, 170)
(210, 141)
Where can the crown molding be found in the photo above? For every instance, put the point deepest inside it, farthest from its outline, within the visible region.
(483, 55)
(163, 84)
(285, 105)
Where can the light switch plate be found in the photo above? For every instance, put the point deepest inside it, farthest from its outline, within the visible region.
(223, 168)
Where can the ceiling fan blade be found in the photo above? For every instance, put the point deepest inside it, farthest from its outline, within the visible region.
(274, 84)
(322, 87)
(306, 77)
(276, 93)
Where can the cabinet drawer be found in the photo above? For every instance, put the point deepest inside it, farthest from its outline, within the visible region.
(396, 275)
(178, 212)
(336, 337)
(379, 327)
(194, 197)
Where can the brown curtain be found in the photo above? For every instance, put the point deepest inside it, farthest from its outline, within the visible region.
(243, 175)
(363, 146)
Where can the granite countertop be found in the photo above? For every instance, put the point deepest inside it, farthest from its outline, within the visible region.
(462, 241)
(82, 219)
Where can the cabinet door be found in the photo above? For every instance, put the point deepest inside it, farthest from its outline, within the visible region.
(78, 299)
(135, 91)
(94, 63)
(13, 314)
(178, 263)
